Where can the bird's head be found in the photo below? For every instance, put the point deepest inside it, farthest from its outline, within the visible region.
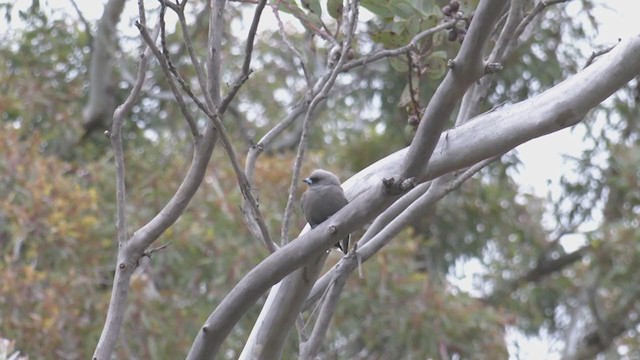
(321, 177)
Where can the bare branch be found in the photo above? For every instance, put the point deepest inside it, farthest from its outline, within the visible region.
(118, 302)
(543, 269)
(202, 81)
(168, 68)
(101, 102)
(598, 53)
(83, 20)
(256, 150)
(246, 71)
(309, 349)
(283, 35)
(399, 51)
(618, 321)
(243, 183)
(507, 35)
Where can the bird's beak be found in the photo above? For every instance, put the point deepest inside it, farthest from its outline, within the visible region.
(307, 181)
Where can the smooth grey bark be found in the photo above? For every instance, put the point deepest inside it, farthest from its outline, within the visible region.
(485, 136)
(281, 318)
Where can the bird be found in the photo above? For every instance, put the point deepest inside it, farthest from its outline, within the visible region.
(323, 198)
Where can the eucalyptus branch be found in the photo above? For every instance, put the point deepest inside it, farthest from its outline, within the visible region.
(84, 21)
(246, 70)
(200, 75)
(595, 54)
(168, 68)
(469, 67)
(310, 348)
(507, 35)
(283, 35)
(243, 183)
(118, 302)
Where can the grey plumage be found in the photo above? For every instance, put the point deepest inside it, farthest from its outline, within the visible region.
(323, 198)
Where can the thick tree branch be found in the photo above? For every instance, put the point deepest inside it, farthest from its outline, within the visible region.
(487, 135)
(468, 67)
(543, 269)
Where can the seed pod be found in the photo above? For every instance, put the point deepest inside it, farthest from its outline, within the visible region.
(454, 5)
(453, 35)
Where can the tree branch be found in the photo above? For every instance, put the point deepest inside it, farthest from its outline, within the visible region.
(468, 68)
(543, 269)
(246, 70)
(118, 302)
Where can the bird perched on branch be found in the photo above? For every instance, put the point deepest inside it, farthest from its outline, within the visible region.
(323, 198)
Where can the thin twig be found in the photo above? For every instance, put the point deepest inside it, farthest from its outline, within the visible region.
(151, 251)
(598, 53)
(202, 80)
(84, 21)
(166, 68)
(246, 70)
(398, 51)
(415, 108)
(541, 5)
(283, 35)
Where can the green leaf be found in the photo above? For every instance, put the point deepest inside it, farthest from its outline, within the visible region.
(413, 25)
(403, 9)
(378, 7)
(399, 64)
(436, 65)
(314, 6)
(334, 7)
(389, 38)
(290, 7)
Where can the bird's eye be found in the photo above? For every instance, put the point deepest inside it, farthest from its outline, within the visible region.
(313, 179)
